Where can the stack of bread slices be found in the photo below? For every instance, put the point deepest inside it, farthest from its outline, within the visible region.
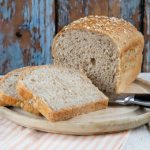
(91, 55)
(55, 92)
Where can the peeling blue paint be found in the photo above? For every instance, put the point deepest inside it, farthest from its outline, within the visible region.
(50, 30)
(129, 8)
(6, 11)
(12, 51)
(38, 21)
(63, 13)
(41, 21)
(87, 8)
(26, 14)
(86, 11)
(42, 26)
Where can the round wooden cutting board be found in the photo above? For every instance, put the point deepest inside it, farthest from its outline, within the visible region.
(113, 119)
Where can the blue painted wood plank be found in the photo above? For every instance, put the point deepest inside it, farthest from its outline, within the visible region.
(27, 29)
(70, 10)
(146, 60)
(114, 8)
(130, 11)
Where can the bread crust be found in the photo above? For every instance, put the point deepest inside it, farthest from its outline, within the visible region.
(62, 114)
(21, 91)
(122, 33)
(10, 101)
(2, 103)
(65, 114)
(128, 76)
(6, 100)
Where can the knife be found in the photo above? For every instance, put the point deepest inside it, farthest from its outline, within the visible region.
(136, 99)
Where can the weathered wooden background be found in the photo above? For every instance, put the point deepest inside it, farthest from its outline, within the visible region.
(27, 27)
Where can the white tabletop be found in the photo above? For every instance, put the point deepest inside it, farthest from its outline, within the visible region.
(139, 139)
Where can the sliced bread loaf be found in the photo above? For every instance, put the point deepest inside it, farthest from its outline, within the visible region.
(60, 93)
(109, 50)
(8, 93)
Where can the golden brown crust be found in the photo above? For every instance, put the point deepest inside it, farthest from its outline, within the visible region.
(63, 114)
(6, 100)
(128, 76)
(2, 103)
(124, 35)
(25, 98)
(134, 62)
(29, 108)
(20, 87)
(120, 31)
(9, 101)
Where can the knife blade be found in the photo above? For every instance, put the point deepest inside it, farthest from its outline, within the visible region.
(135, 99)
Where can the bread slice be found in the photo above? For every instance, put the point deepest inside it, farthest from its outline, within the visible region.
(8, 93)
(2, 103)
(60, 93)
(109, 50)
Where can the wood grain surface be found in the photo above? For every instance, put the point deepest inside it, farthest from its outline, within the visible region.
(71, 10)
(27, 27)
(146, 60)
(112, 119)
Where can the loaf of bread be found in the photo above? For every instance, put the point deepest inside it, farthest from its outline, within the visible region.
(8, 93)
(109, 50)
(60, 93)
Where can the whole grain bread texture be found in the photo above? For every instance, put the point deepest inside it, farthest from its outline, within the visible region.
(60, 93)
(8, 93)
(109, 50)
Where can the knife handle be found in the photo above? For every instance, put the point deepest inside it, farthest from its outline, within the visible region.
(142, 99)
